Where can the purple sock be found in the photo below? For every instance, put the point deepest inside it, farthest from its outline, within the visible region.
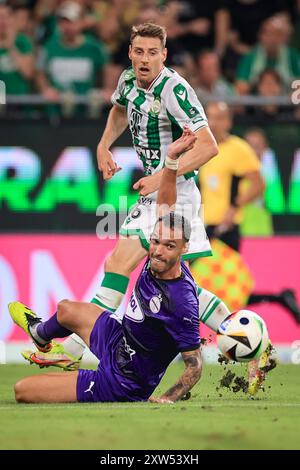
(51, 329)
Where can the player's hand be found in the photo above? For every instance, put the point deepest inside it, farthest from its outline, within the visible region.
(160, 400)
(183, 144)
(106, 163)
(147, 184)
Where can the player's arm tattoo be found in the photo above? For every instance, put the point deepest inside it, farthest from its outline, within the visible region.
(191, 375)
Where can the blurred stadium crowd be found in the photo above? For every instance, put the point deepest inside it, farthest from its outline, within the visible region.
(57, 49)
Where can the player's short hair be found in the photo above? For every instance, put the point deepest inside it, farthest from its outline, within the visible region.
(149, 30)
(175, 221)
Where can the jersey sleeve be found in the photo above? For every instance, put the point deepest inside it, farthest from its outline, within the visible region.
(247, 161)
(184, 108)
(117, 97)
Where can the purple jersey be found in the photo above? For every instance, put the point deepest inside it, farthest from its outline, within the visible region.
(162, 319)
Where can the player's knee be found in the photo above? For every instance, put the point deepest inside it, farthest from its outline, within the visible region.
(21, 390)
(64, 311)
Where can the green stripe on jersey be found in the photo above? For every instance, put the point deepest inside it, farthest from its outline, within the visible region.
(153, 120)
(159, 88)
(175, 127)
(181, 95)
(140, 99)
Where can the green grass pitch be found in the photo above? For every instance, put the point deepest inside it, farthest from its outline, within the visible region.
(207, 421)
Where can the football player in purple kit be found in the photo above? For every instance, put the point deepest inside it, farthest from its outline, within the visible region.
(162, 320)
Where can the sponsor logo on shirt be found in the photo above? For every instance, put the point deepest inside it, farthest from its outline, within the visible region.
(182, 94)
(134, 311)
(148, 154)
(149, 157)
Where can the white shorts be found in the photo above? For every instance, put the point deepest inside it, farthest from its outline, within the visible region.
(141, 220)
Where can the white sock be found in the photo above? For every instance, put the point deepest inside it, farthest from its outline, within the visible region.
(212, 311)
(109, 297)
(74, 345)
(33, 331)
(111, 291)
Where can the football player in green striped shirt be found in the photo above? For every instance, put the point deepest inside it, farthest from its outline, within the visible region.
(156, 102)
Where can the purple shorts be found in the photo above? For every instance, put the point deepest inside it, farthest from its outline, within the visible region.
(107, 383)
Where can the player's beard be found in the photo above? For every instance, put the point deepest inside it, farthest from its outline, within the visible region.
(160, 265)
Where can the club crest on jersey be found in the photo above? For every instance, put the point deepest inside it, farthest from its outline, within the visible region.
(155, 107)
(155, 303)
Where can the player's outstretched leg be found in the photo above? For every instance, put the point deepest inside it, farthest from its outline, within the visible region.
(28, 321)
(47, 388)
(126, 256)
(78, 317)
(56, 357)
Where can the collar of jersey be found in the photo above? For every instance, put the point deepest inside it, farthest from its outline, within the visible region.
(166, 280)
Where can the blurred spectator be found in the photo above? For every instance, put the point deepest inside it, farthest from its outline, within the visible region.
(47, 26)
(243, 21)
(23, 19)
(90, 18)
(200, 25)
(246, 18)
(114, 26)
(46, 20)
(71, 61)
(269, 85)
(209, 77)
(116, 20)
(270, 52)
(16, 55)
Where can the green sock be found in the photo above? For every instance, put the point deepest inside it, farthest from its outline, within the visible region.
(112, 291)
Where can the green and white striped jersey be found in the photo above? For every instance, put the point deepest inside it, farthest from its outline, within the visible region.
(157, 115)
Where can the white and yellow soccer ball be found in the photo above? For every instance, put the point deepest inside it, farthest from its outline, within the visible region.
(243, 336)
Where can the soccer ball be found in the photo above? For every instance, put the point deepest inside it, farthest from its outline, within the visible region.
(243, 336)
